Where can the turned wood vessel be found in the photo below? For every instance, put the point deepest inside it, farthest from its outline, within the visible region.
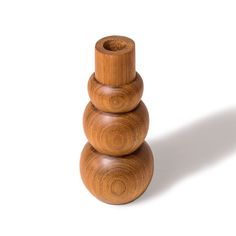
(116, 164)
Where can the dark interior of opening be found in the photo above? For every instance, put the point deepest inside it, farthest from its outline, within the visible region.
(114, 45)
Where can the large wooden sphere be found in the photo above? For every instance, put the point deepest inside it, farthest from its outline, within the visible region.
(116, 180)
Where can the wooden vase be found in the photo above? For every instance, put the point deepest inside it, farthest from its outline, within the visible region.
(116, 164)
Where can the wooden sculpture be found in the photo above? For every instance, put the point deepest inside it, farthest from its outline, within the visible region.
(117, 164)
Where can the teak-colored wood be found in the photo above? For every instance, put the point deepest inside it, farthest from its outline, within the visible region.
(116, 165)
(115, 60)
(116, 179)
(115, 99)
(116, 134)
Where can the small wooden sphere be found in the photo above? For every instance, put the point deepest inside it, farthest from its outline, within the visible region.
(116, 180)
(115, 99)
(116, 134)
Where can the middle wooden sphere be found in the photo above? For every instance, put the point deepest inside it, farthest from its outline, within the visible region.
(116, 134)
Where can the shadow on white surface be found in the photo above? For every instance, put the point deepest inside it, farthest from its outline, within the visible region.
(191, 149)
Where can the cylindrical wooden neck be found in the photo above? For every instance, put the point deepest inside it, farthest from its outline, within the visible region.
(115, 60)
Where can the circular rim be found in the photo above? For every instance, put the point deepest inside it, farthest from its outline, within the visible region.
(129, 45)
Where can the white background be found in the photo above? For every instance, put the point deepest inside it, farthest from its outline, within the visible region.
(186, 54)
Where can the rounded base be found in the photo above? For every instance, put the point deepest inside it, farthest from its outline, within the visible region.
(116, 180)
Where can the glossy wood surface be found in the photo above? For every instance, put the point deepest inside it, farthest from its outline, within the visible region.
(116, 165)
(116, 134)
(117, 99)
(115, 60)
(116, 180)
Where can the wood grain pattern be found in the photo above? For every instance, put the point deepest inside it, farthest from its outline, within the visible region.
(115, 99)
(115, 60)
(116, 134)
(116, 165)
(116, 180)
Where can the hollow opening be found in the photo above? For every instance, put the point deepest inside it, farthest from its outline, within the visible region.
(114, 45)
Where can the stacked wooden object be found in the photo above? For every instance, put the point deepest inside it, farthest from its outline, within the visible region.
(116, 164)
